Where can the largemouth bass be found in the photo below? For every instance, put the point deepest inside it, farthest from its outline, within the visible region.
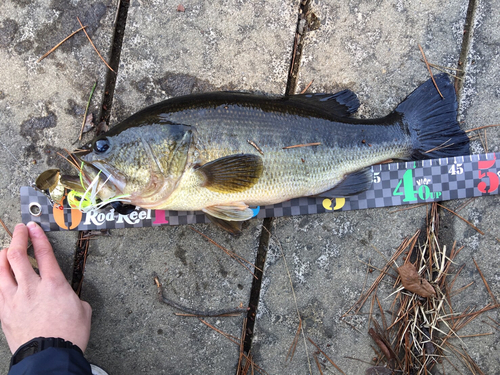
(225, 152)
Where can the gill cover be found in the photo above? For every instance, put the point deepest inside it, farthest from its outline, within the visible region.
(144, 162)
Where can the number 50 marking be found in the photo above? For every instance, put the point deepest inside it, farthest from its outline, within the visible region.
(494, 179)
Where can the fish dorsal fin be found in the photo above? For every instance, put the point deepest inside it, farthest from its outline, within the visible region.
(231, 174)
(234, 211)
(341, 104)
(352, 184)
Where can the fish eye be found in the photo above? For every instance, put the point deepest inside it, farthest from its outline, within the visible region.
(101, 145)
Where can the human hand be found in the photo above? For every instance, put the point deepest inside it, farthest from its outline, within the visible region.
(38, 306)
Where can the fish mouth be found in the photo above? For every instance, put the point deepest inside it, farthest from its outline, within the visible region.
(97, 183)
(107, 183)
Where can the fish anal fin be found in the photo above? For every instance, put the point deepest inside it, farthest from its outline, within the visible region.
(232, 174)
(352, 184)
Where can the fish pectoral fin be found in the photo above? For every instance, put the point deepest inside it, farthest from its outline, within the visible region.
(233, 227)
(352, 184)
(341, 104)
(235, 211)
(232, 174)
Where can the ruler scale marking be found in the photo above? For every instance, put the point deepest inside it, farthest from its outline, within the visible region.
(394, 184)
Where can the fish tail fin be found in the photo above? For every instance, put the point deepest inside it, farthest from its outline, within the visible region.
(432, 121)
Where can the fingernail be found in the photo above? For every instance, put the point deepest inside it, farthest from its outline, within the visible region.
(20, 225)
(32, 225)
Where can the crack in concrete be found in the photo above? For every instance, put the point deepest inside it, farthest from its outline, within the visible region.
(114, 60)
(466, 44)
(448, 235)
(107, 102)
(295, 60)
(260, 262)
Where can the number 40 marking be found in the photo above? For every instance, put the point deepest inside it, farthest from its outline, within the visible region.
(409, 192)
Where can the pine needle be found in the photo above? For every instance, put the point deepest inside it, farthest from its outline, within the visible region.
(430, 72)
(294, 298)
(92, 43)
(481, 127)
(302, 145)
(232, 254)
(485, 283)
(460, 217)
(324, 354)
(255, 146)
(307, 87)
(87, 110)
(61, 42)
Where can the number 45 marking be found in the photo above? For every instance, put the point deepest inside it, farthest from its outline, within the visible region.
(456, 169)
(494, 179)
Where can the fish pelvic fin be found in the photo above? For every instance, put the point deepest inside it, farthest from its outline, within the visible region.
(233, 227)
(432, 120)
(235, 211)
(352, 184)
(232, 174)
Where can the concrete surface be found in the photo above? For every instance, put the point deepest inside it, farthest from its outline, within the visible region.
(479, 108)
(147, 337)
(369, 47)
(209, 46)
(372, 49)
(42, 104)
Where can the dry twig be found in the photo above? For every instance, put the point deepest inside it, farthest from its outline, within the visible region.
(192, 312)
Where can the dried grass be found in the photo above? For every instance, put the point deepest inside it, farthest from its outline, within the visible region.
(424, 331)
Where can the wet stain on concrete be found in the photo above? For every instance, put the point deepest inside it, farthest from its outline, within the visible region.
(33, 128)
(74, 109)
(222, 271)
(175, 84)
(23, 3)
(170, 85)
(53, 32)
(181, 254)
(23, 47)
(54, 160)
(8, 30)
(32, 153)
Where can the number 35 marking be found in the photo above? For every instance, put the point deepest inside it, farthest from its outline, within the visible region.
(494, 179)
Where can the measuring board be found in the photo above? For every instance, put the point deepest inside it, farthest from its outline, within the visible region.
(394, 184)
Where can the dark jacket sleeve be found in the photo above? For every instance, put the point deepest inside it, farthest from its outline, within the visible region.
(53, 361)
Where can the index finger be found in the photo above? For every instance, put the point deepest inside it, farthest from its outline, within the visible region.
(17, 255)
(47, 263)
